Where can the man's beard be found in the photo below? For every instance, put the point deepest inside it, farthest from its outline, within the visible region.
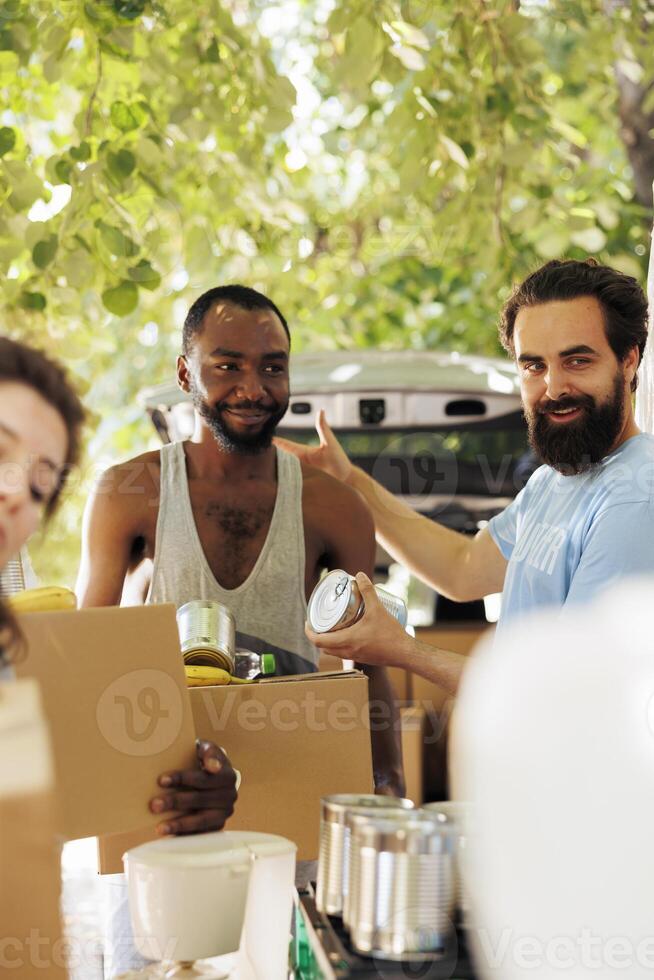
(578, 446)
(231, 441)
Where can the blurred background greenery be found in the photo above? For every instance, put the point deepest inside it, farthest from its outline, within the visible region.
(383, 169)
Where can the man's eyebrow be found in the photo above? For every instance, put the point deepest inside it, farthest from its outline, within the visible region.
(271, 355)
(568, 352)
(579, 349)
(224, 352)
(42, 459)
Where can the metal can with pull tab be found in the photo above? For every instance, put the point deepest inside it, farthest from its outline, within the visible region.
(207, 634)
(336, 602)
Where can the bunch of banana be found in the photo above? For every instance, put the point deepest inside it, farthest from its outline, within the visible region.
(210, 677)
(206, 676)
(47, 599)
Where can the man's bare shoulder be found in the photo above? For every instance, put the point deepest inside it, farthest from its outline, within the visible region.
(323, 491)
(132, 480)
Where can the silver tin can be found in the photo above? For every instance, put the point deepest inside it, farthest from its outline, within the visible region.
(336, 603)
(333, 855)
(405, 900)
(351, 872)
(459, 815)
(207, 633)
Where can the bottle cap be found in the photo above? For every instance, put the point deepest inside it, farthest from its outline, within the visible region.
(268, 665)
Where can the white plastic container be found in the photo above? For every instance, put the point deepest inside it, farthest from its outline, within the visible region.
(207, 895)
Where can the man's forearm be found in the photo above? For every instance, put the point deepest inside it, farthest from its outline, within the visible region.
(384, 733)
(443, 667)
(432, 552)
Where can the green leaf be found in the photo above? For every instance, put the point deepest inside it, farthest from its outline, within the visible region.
(122, 299)
(32, 301)
(363, 49)
(590, 239)
(409, 57)
(552, 243)
(281, 93)
(81, 152)
(454, 152)
(569, 133)
(412, 35)
(9, 63)
(44, 251)
(78, 267)
(7, 139)
(63, 170)
(116, 241)
(145, 275)
(121, 164)
(339, 19)
(127, 117)
(129, 9)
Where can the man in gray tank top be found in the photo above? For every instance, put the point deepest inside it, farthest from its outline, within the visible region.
(228, 516)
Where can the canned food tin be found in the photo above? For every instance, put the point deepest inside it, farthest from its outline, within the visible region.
(207, 633)
(351, 873)
(459, 814)
(336, 602)
(406, 887)
(332, 850)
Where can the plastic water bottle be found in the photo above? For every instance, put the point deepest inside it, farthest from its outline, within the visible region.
(248, 665)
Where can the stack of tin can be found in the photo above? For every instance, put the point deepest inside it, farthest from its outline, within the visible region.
(207, 634)
(389, 870)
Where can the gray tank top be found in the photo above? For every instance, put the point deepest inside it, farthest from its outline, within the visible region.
(270, 605)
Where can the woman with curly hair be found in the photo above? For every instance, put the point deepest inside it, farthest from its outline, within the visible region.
(41, 419)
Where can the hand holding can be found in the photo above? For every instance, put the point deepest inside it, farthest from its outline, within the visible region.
(337, 602)
(349, 618)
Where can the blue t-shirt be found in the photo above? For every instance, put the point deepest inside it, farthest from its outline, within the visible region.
(567, 537)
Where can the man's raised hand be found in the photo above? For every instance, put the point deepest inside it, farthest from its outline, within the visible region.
(328, 456)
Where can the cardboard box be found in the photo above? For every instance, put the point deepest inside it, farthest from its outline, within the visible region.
(413, 724)
(115, 696)
(294, 739)
(31, 941)
(438, 704)
(401, 683)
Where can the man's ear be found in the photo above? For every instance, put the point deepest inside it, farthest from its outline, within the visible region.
(631, 364)
(183, 373)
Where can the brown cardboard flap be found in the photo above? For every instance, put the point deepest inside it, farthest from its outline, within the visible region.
(31, 945)
(318, 676)
(115, 696)
(413, 722)
(294, 741)
(30, 873)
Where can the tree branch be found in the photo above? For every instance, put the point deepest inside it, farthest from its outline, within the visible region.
(94, 93)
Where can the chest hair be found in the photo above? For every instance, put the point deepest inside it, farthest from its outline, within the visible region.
(239, 523)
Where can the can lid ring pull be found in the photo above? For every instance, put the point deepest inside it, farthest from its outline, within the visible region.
(342, 585)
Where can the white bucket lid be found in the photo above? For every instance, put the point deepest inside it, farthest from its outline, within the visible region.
(222, 848)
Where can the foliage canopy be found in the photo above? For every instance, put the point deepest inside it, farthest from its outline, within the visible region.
(383, 168)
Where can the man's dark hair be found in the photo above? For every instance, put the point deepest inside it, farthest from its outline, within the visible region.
(242, 296)
(623, 302)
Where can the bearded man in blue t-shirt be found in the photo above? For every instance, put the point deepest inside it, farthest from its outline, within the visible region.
(577, 331)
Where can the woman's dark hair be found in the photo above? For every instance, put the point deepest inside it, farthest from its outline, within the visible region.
(623, 302)
(25, 365)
